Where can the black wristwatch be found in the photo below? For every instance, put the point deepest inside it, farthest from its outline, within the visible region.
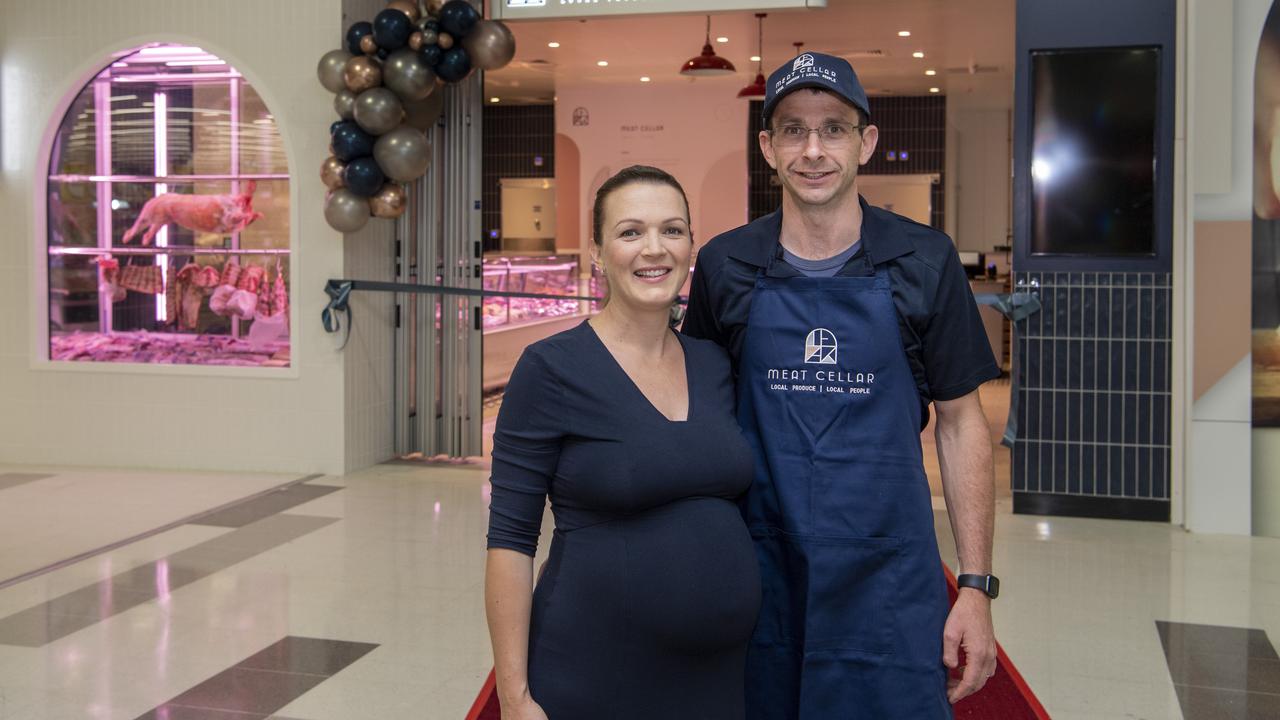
(989, 584)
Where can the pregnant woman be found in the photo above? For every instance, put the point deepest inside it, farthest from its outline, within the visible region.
(651, 590)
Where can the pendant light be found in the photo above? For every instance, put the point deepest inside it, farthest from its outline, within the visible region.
(755, 91)
(708, 64)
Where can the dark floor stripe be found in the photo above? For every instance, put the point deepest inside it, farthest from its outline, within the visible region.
(263, 506)
(1222, 673)
(42, 624)
(144, 535)
(12, 480)
(263, 683)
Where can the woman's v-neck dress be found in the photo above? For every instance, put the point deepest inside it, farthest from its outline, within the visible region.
(651, 589)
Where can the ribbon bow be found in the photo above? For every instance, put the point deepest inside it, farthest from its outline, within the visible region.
(339, 296)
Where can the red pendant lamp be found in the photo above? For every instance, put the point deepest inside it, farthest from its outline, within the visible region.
(708, 64)
(755, 91)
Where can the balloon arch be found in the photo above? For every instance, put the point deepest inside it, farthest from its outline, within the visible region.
(386, 92)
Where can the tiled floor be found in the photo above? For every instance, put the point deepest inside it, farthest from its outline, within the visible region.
(361, 597)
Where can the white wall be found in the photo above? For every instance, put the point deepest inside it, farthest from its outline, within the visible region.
(978, 166)
(695, 131)
(161, 417)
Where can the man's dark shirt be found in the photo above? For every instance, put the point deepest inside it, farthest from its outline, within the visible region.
(943, 335)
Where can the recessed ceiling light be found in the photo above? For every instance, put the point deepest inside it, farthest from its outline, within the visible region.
(644, 79)
(904, 33)
(722, 39)
(553, 44)
(934, 90)
(602, 63)
(917, 54)
(930, 73)
(494, 100)
(755, 58)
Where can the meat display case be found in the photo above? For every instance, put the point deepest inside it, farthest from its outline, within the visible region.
(543, 275)
(168, 217)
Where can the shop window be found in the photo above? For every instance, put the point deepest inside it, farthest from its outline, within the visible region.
(168, 217)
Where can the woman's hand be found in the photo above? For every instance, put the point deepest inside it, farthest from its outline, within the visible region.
(522, 708)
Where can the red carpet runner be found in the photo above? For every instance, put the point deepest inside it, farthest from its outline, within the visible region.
(1005, 696)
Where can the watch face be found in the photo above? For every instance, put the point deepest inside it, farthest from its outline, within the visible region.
(993, 587)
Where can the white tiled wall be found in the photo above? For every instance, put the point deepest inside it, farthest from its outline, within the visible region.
(294, 424)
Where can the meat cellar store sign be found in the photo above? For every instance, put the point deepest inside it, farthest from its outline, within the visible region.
(544, 9)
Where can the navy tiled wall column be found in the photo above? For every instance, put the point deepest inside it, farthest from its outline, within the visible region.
(1094, 396)
(1094, 364)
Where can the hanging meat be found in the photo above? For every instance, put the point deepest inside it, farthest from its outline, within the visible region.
(279, 292)
(244, 301)
(222, 214)
(226, 287)
(109, 278)
(186, 297)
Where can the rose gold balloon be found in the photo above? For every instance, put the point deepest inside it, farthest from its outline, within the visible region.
(331, 173)
(416, 41)
(433, 7)
(445, 41)
(389, 202)
(368, 46)
(362, 73)
(408, 7)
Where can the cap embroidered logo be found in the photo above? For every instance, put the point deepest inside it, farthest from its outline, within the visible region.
(821, 348)
(804, 61)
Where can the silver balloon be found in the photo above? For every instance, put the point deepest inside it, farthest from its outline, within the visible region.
(408, 76)
(330, 70)
(378, 110)
(403, 154)
(423, 114)
(344, 103)
(345, 211)
(490, 45)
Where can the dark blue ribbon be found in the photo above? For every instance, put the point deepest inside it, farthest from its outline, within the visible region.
(1017, 307)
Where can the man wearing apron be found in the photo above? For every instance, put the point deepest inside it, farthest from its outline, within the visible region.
(844, 322)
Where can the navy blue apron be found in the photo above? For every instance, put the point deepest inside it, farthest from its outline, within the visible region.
(854, 599)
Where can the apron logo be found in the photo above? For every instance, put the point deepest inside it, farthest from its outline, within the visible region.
(820, 347)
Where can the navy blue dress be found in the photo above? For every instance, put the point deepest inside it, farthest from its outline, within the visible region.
(652, 588)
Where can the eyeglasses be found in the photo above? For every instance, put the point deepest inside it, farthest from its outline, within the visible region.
(834, 135)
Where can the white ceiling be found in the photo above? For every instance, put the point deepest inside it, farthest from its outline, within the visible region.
(955, 34)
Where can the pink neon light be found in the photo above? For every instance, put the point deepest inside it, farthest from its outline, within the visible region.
(195, 63)
(162, 169)
(172, 50)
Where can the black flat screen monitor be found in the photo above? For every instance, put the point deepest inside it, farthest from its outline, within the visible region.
(1093, 152)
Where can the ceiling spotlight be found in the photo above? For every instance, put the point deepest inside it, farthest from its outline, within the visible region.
(917, 54)
(930, 73)
(644, 78)
(934, 90)
(553, 44)
(707, 64)
(904, 33)
(755, 58)
(602, 63)
(722, 39)
(494, 100)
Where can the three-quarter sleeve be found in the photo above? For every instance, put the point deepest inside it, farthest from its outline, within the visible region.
(526, 450)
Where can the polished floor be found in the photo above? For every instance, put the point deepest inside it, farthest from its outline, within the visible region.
(361, 597)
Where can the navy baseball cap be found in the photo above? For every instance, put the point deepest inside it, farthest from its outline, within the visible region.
(815, 70)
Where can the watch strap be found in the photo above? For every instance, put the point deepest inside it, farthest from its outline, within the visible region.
(988, 584)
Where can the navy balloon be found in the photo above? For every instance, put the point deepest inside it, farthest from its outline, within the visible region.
(383, 53)
(391, 29)
(334, 127)
(354, 34)
(454, 65)
(430, 55)
(351, 142)
(364, 177)
(457, 17)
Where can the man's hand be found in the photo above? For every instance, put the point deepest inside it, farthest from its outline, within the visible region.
(969, 627)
